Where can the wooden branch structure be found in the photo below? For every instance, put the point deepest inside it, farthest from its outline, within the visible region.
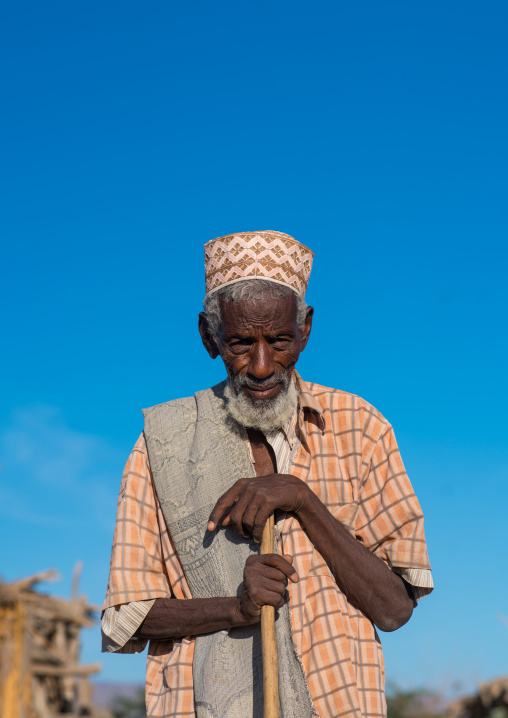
(40, 674)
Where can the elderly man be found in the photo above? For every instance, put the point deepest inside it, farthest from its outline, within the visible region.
(349, 547)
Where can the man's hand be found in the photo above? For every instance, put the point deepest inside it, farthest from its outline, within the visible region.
(265, 580)
(249, 502)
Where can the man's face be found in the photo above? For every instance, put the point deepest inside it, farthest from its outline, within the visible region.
(260, 345)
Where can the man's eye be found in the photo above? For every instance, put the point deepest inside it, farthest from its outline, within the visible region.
(239, 344)
(279, 342)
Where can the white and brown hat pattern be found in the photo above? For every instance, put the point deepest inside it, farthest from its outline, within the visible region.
(270, 255)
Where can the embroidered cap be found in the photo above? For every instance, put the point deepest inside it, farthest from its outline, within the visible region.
(257, 255)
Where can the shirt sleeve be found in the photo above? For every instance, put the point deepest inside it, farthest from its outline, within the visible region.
(137, 570)
(389, 519)
(120, 623)
(420, 579)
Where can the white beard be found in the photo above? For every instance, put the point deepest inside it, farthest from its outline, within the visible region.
(264, 414)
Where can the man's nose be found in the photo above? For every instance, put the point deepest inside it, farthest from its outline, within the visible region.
(261, 363)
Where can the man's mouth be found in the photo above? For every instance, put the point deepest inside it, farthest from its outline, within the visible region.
(264, 392)
(268, 388)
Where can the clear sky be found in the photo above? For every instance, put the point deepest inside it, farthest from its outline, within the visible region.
(375, 133)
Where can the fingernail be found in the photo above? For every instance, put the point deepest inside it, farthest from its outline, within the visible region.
(210, 526)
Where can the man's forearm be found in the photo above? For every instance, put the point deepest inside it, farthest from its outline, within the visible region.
(175, 618)
(364, 578)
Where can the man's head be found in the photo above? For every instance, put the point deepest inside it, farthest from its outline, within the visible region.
(255, 317)
(258, 328)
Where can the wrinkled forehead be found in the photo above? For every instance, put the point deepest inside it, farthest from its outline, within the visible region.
(265, 314)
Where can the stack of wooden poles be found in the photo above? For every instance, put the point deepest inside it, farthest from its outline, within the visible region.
(40, 673)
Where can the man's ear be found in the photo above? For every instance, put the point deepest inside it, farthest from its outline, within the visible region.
(307, 327)
(206, 337)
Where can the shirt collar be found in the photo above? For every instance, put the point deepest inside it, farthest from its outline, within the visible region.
(308, 401)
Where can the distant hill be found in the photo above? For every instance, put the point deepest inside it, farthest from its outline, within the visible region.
(104, 693)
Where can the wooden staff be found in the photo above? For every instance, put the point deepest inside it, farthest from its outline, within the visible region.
(268, 641)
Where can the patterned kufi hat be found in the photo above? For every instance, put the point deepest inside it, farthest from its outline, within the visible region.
(257, 255)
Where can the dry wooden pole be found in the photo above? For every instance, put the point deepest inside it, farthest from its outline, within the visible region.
(76, 574)
(269, 644)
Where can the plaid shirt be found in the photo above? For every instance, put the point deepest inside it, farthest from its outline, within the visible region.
(346, 452)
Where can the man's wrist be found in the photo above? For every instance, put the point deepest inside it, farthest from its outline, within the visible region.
(306, 503)
(237, 617)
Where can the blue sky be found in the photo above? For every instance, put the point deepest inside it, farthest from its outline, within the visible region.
(375, 133)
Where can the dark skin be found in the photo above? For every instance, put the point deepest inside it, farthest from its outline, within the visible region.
(257, 342)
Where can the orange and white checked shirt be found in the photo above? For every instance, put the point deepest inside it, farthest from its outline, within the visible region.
(346, 452)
